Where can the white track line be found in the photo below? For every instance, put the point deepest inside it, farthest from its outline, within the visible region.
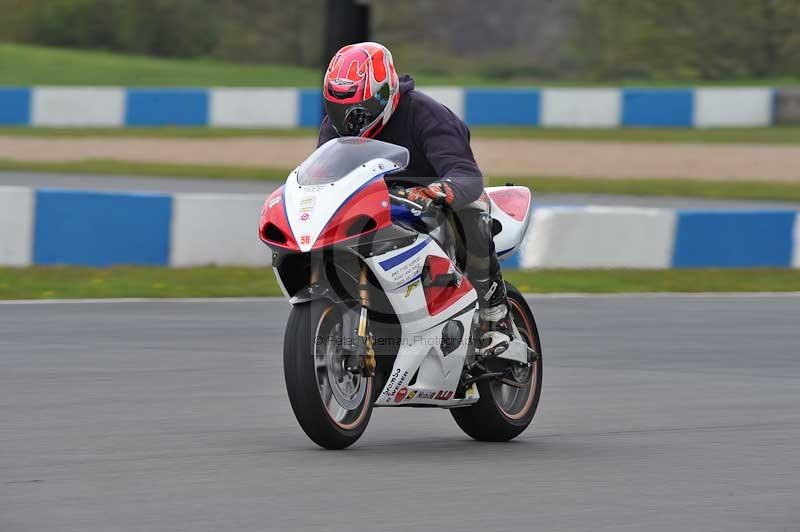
(565, 295)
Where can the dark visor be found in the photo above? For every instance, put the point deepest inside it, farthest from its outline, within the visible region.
(350, 119)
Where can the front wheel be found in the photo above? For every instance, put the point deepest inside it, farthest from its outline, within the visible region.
(504, 411)
(332, 405)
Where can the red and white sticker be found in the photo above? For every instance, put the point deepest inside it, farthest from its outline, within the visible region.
(400, 395)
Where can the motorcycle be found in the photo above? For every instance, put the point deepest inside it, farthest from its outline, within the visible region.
(382, 315)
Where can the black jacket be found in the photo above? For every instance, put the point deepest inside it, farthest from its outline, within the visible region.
(437, 140)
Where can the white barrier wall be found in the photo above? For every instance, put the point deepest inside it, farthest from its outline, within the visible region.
(452, 97)
(600, 237)
(731, 107)
(254, 108)
(581, 107)
(78, 107)
(16, 226)
(215, 229)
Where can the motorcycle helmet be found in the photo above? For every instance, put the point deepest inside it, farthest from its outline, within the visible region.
(361, 89)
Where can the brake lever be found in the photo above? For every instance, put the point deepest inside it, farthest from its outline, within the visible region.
(407, 202)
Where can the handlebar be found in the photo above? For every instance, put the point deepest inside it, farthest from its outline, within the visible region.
(404, 201)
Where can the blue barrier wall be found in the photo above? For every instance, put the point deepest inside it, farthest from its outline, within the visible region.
(15, 106)
(101, 229)
(310, 108)
(734, 239)
(512, 107)
(657, 107)
(166, 107)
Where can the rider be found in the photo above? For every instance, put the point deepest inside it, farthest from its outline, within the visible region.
(364, 97)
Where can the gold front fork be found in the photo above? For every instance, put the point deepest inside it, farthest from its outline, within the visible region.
(363, 294)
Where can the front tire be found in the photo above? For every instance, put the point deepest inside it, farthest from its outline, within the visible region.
(332, 405)
(504, 412)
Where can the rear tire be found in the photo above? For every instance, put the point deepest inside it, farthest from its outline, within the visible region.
(491, 419)
(313, 367)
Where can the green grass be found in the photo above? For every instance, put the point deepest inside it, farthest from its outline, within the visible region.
(761, 135)
(22, 65)
(155, 132)
(68, 282)
(658, 187)
(677, 280)
(687, 188)
(62, 282)
(112, 167)
(750, 135)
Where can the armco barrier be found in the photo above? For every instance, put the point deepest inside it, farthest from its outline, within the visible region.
(289, 107)
(102, 229)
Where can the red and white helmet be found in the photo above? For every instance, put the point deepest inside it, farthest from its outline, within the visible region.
(361, 89)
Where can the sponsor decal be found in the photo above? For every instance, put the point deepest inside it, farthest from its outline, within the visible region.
(395, 381)
(400, 395)
(412, 394)
(274, 201)
(307, 204)
(411, 287)
(304, 216)
(470, 392)
(426, 394)
(443, 395)
(407, 271)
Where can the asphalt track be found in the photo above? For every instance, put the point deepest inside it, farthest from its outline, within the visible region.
(217, 186)
(658, 413)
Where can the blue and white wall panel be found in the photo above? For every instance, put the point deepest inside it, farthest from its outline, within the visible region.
(16, 226)
(292, 107)
(599, 237)
(581, 107)
(88, 228)
(733, 107)
(217, 229)
(78, 107)
(254, 108)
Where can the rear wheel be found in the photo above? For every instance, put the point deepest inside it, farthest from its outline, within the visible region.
(332, 405)
(505, 411)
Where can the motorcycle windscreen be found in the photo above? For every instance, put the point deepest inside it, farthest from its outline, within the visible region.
(338, 157)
